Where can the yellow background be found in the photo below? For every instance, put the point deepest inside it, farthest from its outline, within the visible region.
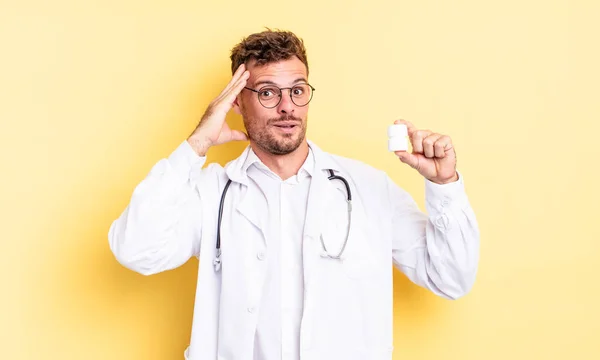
(93, 93)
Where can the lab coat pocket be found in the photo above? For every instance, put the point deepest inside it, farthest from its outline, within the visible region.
(359, 262)
(356, 260)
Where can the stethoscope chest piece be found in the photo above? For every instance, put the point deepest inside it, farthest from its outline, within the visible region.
(325, 255)
(217, 261)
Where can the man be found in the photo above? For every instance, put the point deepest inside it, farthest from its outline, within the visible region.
(288, 268)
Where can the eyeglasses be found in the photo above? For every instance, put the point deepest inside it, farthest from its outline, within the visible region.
(270, 96)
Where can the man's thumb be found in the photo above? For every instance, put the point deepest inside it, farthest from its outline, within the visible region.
(408, 158)
(237, 135)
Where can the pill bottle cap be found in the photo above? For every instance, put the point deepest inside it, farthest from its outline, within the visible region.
(397, 130)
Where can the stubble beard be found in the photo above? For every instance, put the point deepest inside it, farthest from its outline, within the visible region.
(275, 144)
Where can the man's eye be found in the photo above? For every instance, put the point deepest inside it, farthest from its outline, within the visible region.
(267, 93)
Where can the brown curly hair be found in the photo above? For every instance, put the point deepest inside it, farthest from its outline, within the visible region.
(267, 47)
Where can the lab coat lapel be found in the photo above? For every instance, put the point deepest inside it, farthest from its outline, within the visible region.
(321, 194)
(248, 204)
(250, 209)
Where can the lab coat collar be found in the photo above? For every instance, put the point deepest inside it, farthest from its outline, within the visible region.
(236, 170)
(319, 194)
(306, 170)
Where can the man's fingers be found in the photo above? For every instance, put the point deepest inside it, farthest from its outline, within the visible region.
(237, 88)
(417, 138)
(409, 126)
(409, 159)
(428, 142)
(441, 145)
(236, 76)
(237, 135)
(229, 95)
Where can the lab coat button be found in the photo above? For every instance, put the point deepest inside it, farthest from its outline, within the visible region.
(251, 310)
(261, 256)
(439, 222)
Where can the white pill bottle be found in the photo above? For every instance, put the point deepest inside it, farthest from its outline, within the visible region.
(397, 137)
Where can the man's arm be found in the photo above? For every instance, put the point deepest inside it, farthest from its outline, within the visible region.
(438, 250)
(160, 229)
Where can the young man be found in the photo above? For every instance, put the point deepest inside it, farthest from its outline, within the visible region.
(289, 267)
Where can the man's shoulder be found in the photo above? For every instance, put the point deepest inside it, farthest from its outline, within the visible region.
(371, 182)
(357, 168)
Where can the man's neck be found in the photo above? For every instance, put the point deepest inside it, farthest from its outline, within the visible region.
(285, 166)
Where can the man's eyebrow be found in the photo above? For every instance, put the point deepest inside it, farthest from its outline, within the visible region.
(300, 79)
(264, 82)
(269, 82)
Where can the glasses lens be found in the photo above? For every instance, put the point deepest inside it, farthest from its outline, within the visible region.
(269, 96)
(301, 94)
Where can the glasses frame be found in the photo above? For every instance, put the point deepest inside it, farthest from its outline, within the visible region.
(312, 92)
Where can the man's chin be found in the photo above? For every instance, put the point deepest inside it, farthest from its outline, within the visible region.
(285, 147)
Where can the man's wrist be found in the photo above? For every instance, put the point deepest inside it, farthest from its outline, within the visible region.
(446, 181)
(199, 145)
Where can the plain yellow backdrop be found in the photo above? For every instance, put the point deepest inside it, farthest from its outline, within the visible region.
(93, 93)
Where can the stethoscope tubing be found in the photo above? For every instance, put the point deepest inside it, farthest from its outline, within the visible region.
(332, 176)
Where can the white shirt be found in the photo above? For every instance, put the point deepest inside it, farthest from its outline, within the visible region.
(278, 329)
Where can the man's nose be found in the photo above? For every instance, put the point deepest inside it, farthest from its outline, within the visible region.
(286, 106)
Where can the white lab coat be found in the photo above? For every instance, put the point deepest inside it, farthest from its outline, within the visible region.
(173, 215)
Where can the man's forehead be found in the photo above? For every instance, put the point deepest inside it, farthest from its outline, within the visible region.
(276, 72)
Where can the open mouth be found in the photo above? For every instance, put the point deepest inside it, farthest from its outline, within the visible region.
(286, 126)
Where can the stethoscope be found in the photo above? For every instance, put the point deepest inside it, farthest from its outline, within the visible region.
(217, 261)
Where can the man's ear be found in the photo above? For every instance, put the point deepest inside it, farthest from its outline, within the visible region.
(236, 105)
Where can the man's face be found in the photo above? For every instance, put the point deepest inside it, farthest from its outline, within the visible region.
(282, 129)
